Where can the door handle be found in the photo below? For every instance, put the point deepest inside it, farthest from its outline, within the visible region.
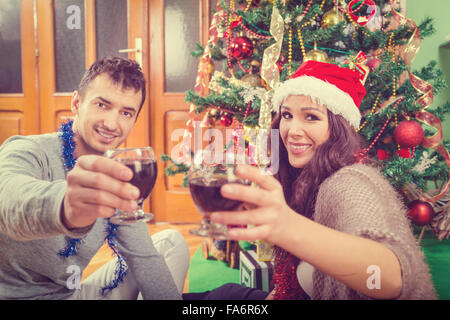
(137, 49)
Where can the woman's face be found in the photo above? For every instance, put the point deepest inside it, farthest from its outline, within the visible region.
(303, 127)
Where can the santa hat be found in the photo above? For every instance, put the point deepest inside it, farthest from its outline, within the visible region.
(339, 89)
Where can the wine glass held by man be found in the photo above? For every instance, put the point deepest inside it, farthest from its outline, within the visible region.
(333, 218)
(60, 191)
(142, 161)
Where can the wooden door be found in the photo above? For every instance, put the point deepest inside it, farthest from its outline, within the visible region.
(18, 98)
(72, 34)
(175, 27)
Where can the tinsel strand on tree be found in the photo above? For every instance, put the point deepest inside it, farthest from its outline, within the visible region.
(255, 44)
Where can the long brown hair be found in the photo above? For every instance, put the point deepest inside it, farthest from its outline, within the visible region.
(301, 185)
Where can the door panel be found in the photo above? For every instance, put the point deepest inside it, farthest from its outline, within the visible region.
(181, 32)
(52, 101)
(69, 43)
(62, 116)
(175, 27)
(11, 124)
(173, 121)
(18, 98)
(111, 20)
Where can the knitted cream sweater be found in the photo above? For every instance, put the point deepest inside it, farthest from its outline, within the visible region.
(358, 200)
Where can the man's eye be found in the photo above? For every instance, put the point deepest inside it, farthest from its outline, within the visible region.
(100, 105)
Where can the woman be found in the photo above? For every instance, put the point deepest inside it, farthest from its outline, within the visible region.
(339, 228)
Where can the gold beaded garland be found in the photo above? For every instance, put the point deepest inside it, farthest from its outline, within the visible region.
(370, 113)
(315, 16)
(302, 45)
(290, 52)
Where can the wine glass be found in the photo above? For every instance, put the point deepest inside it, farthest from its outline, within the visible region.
(205, 180)
(142, 161)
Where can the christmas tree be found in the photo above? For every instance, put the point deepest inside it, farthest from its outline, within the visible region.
(255, 44)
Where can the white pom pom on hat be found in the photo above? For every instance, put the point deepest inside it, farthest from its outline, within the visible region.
(337, 88)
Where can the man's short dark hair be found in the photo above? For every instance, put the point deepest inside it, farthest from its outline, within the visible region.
(124, 72)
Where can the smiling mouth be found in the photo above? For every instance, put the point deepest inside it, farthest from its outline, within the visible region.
(298, 149)
(108, 137)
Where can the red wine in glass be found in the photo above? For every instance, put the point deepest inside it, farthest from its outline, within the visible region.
(142, 161)
(144, 176)
(205, 182)
(207, 196)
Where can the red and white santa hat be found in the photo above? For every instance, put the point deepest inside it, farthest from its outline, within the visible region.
(339, 89)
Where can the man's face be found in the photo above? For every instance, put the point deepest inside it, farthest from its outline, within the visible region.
(104, 116)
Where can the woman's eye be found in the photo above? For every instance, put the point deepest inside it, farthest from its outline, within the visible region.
(100, 105)
(311, 117)
(286, 115)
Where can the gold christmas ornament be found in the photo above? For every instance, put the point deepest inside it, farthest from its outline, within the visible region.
(285, 2)
(252, 80)
(213, 112)
(205, 121)
(211, 67)
(316, 55)
(331, 18)
(255, 63)
(250, 133)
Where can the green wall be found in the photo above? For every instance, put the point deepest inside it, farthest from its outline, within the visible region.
(435, 47)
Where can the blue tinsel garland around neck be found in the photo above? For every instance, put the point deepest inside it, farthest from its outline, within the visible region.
(68, 145)
(71, 249)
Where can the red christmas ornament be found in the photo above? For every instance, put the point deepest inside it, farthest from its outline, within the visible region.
(420, 212)
(373, 64)
(404, 153)
(382, 154)
(362, 11)
(226, 120)
(280, 63)
(235, 23)
(241, 48)
(409, 134)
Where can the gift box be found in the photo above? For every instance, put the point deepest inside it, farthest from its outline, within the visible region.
(264, 250)
(254, 273)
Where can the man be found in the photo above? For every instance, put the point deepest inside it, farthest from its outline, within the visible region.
(58, 187)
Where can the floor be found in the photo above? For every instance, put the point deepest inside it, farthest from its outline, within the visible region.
(105, 253)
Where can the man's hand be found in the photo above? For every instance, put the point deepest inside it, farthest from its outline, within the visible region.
(96, 186)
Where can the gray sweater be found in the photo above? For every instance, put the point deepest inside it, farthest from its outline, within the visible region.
(32, 188)
(358, 200)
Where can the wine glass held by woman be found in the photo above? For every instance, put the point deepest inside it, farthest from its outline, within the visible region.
(338, 226)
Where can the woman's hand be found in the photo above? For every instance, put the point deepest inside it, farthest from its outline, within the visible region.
(270, 213)
(342, 256)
